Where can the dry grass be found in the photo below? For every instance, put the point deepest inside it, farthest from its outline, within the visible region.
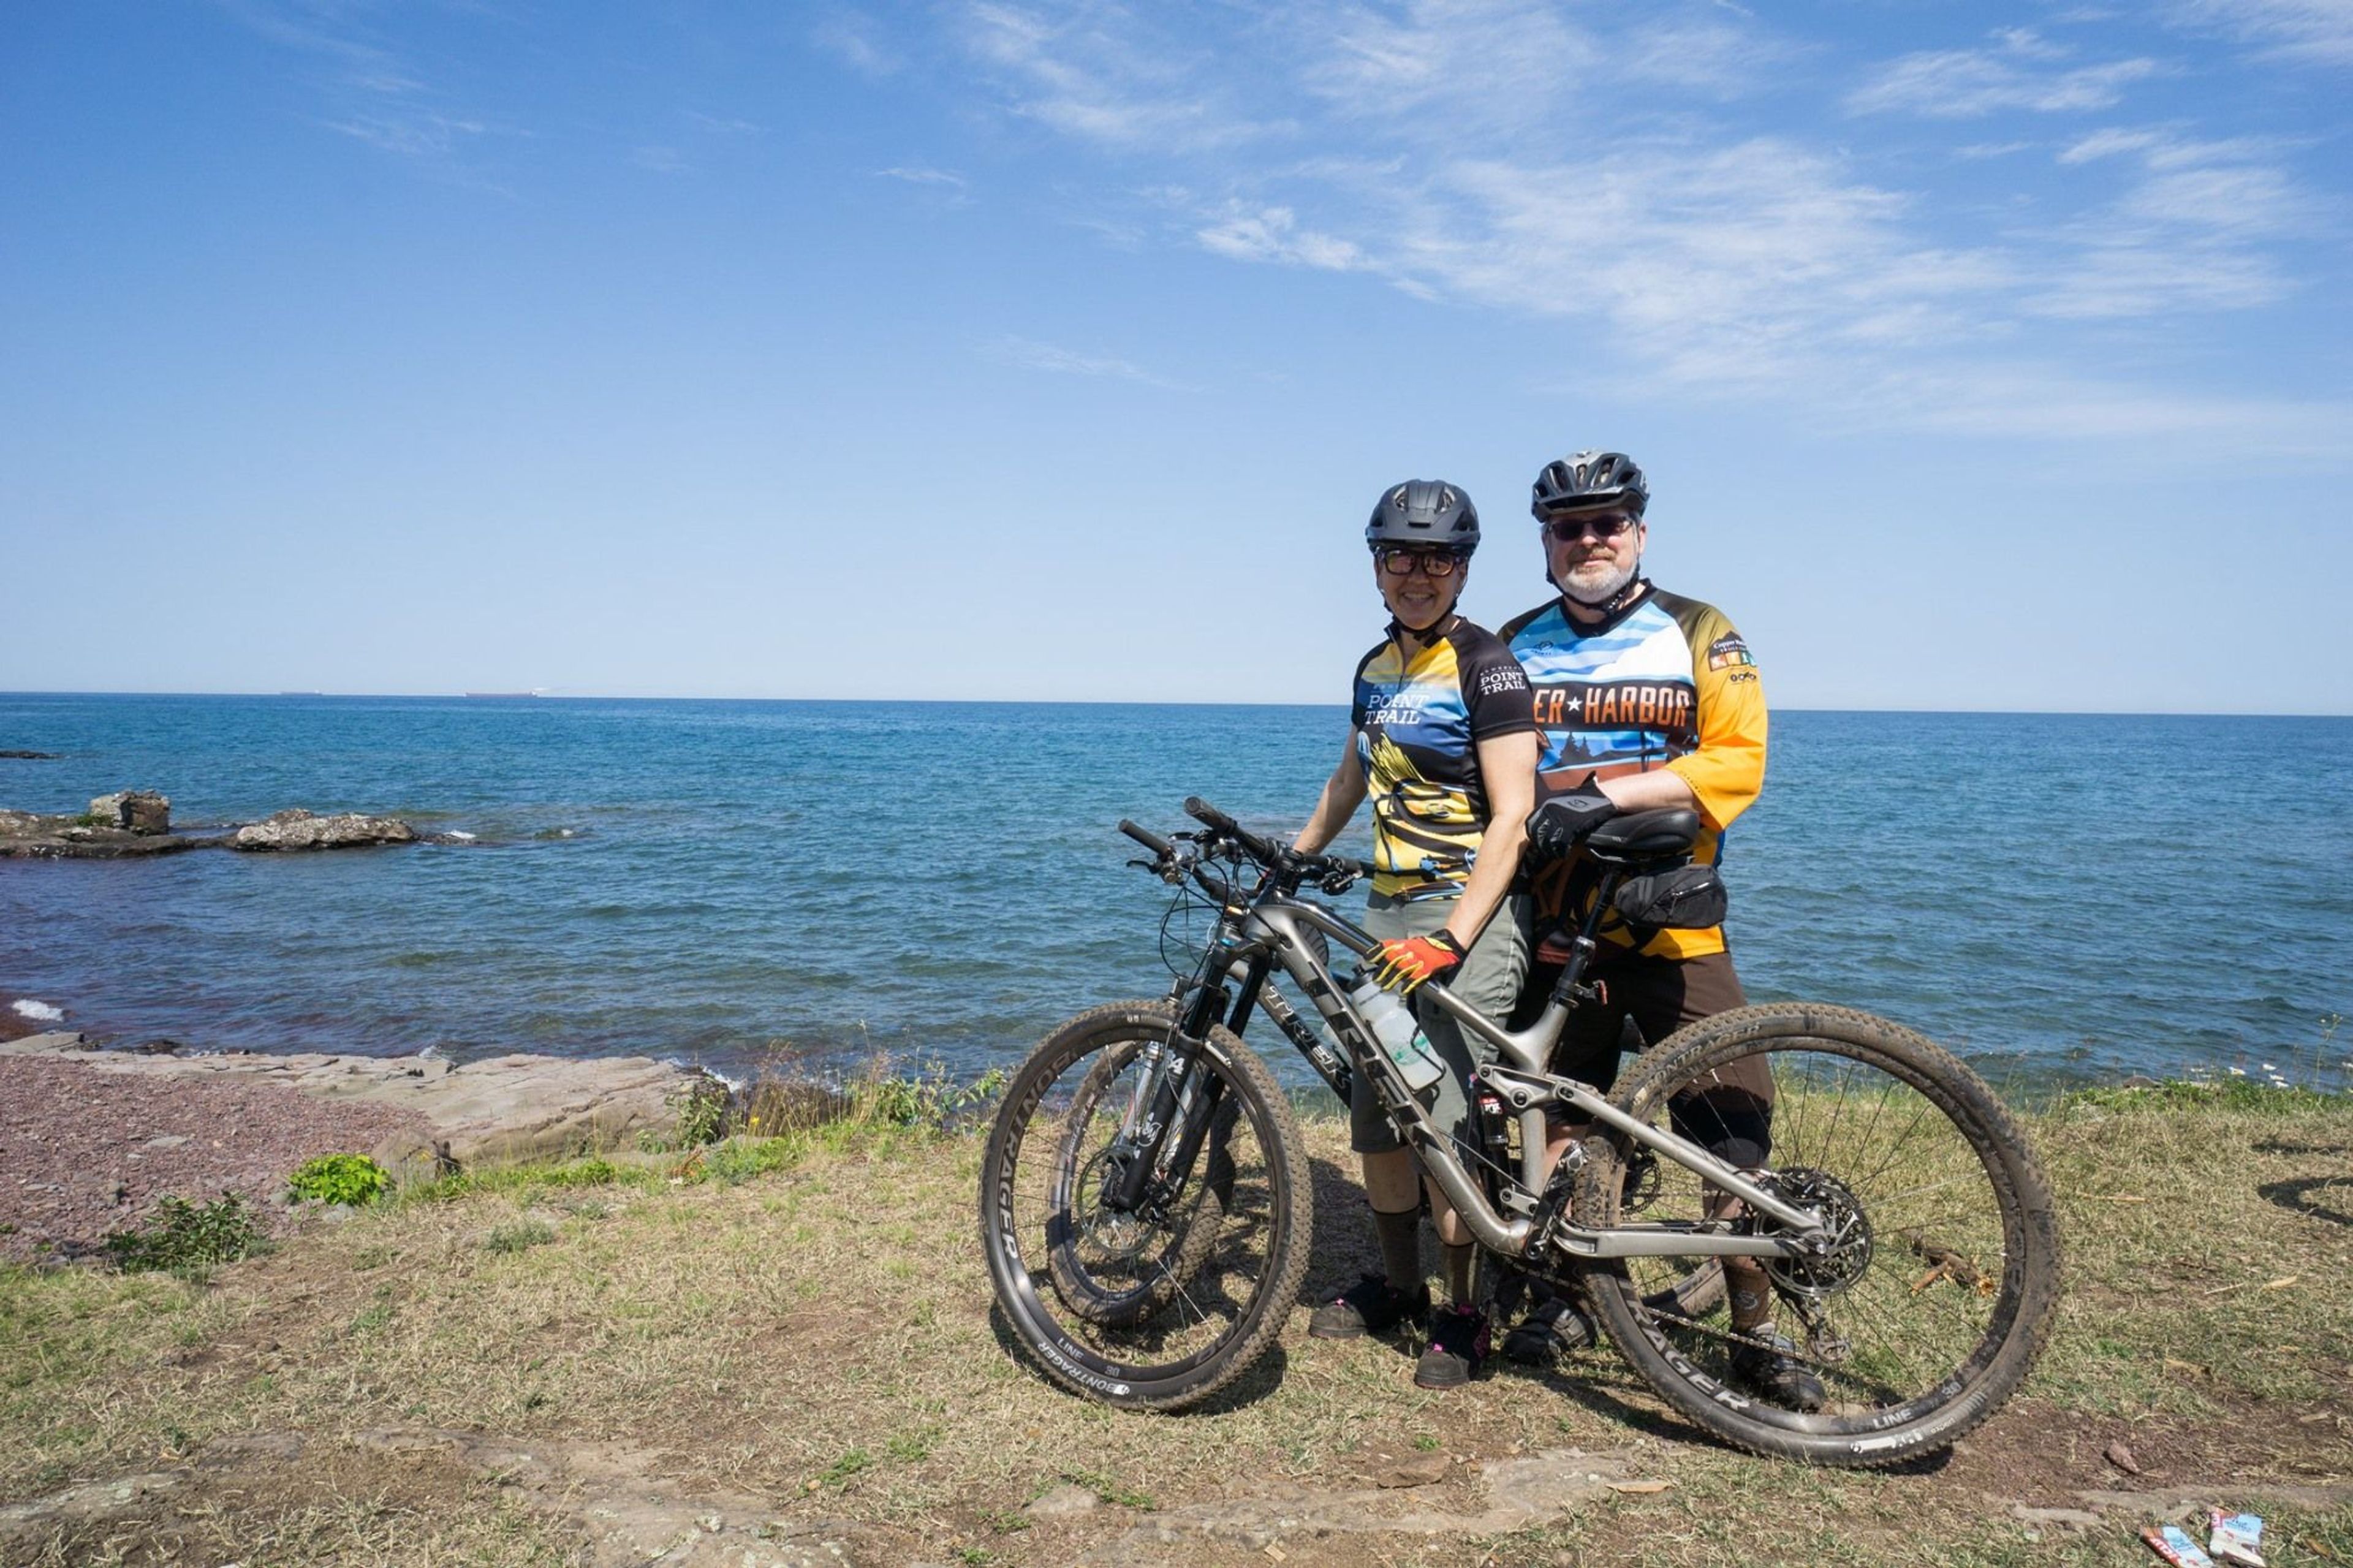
(806, 1320)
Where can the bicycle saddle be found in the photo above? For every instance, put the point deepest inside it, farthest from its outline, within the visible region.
(1644, 836)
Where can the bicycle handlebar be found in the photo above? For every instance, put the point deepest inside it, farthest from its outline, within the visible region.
(1144, 835)
(1316, 867)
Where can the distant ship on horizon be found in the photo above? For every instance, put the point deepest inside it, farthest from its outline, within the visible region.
(534, 691)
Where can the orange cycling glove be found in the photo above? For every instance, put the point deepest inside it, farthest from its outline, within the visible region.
(1409, 961)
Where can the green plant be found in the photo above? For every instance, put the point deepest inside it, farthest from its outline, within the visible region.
(741, 1159)
(842, 1468)
(1109, 1490)
(928, 1101)
(183, 1237)
(701, 1106)
(519, 1236)
(350, 1179)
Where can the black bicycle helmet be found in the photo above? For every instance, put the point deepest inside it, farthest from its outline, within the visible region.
(1588, 482)
(1424, 511)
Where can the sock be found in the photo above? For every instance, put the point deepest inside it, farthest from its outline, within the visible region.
(1458, 1271)
(1751, 1293)
(1400, 1238)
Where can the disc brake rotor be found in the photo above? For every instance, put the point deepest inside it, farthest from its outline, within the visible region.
(1840, 1263)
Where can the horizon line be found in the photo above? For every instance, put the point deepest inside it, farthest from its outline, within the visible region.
(550, 696)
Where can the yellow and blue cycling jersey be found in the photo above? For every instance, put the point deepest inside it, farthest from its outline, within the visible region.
(1419, 720)
(1665, 683)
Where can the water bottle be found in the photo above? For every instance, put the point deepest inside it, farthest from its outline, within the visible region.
(1394, 1027)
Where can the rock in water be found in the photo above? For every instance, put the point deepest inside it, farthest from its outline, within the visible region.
(300, 829)
(136, 810)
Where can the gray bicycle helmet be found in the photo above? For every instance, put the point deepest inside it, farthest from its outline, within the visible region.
(1424, 511)
(1588, 482)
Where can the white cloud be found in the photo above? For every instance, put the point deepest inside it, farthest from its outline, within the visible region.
(2183, 232)
(857, 40)
(1101, 75)
(410, 135)
(1488, 59)
(1499, 154)
(725, 125)
(2020, 72)
(920, 174)
(372, 95)
(2315, 32)
(1028, 354)
(1272, 234)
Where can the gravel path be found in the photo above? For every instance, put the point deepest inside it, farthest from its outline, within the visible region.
(83, 1152)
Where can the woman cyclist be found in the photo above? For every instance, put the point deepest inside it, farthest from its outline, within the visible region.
(1444, 740)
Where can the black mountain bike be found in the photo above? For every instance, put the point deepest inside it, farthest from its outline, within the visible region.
(1146, 1195)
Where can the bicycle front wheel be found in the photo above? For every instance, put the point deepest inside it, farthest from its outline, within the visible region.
(1925, 1310)
(1161, 1303)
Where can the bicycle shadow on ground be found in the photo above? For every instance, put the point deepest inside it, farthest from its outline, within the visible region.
(1343, 1247)
(1263, 1377)
(1593, 1378)
(2301, 1195)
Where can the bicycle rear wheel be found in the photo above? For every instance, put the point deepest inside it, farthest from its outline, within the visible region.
(1927, 1312)
(1162, 1304)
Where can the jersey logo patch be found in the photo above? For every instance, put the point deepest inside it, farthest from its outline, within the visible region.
(1729, 650)
(1501, 678)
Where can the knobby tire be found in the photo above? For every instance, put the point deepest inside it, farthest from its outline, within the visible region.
(1153, 1313)
(1928, 1321)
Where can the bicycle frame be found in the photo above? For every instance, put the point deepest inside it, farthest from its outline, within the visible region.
(1274, 924)
(1266, 926)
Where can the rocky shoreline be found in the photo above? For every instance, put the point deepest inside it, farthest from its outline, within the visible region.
(129, 824)
(91, 1138)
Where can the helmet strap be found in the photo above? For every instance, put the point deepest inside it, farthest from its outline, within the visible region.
(1615, 604)
(1399, 631)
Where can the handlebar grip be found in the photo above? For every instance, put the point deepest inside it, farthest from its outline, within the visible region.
(1145, 836)
(1201, 811)
(1264, 852)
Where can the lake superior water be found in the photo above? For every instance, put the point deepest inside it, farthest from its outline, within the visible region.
(2061, 896)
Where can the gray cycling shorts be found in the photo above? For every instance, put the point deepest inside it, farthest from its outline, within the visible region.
(1489, 979)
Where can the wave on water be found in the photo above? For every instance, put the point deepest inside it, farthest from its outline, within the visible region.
(39, 1012)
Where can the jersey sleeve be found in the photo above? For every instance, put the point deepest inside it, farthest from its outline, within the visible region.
(1727, 770)
(1495, 691)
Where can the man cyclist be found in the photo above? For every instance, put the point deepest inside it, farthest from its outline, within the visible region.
(1442, 739)
(1646, 700)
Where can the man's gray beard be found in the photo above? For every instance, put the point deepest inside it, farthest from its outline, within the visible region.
(1601, 593)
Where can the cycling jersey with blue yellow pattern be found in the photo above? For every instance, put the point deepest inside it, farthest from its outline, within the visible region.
(1666, 682)
(1419, 719)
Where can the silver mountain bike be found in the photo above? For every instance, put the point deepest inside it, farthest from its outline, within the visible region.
(1145, 1200)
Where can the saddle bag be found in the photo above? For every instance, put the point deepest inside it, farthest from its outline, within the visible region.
(1687, 898)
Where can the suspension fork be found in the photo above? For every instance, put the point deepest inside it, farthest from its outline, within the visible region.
(1170, 1072)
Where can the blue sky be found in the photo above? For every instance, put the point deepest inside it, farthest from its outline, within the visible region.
(1981, 356)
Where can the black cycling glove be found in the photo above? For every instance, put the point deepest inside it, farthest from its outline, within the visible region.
(1554, 827)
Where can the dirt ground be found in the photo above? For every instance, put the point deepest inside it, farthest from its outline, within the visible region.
(83, 1152)
(801, 1364)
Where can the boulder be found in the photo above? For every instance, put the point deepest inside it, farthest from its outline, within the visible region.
(300, 829)
(139, 811)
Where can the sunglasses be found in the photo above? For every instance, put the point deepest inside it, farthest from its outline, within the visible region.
(1570, 530)
(1399, 562)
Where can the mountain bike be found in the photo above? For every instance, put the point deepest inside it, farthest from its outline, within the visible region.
(1145, 1197)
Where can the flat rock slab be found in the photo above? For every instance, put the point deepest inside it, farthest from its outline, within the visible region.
(1519, 1493)
(501, 1110)
(628, 1513)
